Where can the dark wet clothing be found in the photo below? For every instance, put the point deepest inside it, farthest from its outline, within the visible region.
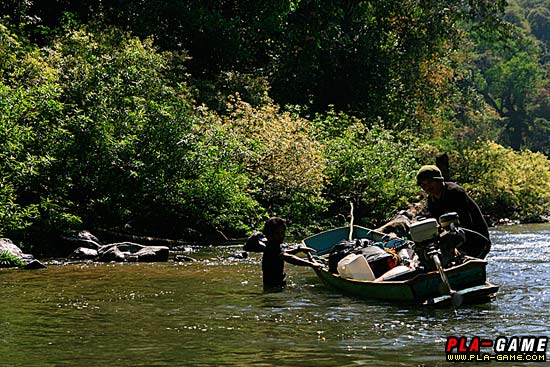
(455, 199)
(273, 267)
(273, 264)
(255, 243)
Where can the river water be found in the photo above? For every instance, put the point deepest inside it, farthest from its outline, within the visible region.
(213, 312)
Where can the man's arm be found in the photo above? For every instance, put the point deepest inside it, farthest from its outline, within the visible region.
(295, 260)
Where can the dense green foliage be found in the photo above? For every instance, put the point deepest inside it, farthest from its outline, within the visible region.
(366, 58)
(106, 137)
(371, 167)
(504, 182)
(171, 117)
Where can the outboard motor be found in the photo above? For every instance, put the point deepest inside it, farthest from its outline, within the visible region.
(425, 235)
(431, 239)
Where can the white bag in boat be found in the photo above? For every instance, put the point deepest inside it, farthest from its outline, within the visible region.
(355, 266)
(395, 273)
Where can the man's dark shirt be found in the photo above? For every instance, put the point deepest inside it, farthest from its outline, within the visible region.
(455, 199)
(273, 267)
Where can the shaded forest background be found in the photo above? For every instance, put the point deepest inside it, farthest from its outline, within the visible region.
(183, 119)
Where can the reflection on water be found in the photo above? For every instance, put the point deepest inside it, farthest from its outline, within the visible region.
(213, 312)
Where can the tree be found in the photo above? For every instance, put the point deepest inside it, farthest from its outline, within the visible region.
(371, 167)
(510, 79)
(373, 59)
(277, 151)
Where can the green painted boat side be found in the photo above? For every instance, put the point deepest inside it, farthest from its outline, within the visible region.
(470, 277)
(415, 290)
(398, 291)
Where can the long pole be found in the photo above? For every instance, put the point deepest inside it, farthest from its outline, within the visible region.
(456, 298)
(351, 222)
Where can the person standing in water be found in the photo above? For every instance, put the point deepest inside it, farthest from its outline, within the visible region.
(274, 255)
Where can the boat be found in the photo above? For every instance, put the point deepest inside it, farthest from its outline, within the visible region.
(463, 283)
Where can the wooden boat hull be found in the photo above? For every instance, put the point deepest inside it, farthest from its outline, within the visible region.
(469, 279)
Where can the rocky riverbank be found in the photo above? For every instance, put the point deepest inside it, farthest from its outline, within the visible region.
(13, 256)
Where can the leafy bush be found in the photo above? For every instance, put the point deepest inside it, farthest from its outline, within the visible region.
(505, 183)
(277, 153)
(371, 167)
(137, 157)
(8, 260)
(100, 130)
(28, 132)
(250, 88)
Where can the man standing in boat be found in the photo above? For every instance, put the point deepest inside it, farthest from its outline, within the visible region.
(274, 255)
(445, 197)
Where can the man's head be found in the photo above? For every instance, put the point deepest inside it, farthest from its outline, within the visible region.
(429, 177)
(274, 230)
(429, 171)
